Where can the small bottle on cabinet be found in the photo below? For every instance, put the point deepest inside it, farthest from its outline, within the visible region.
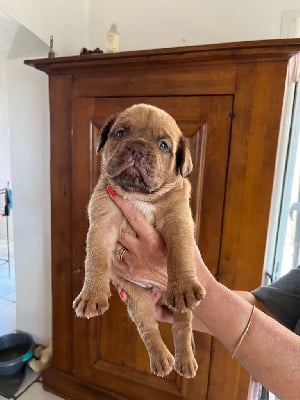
(113, 39)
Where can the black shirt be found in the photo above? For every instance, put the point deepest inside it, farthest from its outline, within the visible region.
(282, 298)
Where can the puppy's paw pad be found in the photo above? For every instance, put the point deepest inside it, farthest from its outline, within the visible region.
(162, 364)
(186, 366)
(194, 294)
(187, 297)
(87, 307)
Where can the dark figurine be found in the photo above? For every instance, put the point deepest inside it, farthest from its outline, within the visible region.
(85, 51)
(51, 53)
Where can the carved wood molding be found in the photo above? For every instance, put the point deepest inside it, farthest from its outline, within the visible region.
(238, 52)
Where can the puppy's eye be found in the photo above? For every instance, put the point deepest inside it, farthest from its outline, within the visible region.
(163, 145)
(120, 132)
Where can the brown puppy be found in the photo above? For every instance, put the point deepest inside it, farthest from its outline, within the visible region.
(146, 159)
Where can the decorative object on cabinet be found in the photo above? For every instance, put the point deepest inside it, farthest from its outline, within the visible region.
(51, 53)
(113, 39)
(84, 51)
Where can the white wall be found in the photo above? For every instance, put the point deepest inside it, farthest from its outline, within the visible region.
(66, 20)
(30, 160)
(169, 23)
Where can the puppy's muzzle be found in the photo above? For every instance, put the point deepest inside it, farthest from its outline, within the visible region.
(137, 151)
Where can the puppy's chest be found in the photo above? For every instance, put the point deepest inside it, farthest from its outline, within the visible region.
(147, 209)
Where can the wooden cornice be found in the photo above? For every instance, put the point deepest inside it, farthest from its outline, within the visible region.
(237, 52)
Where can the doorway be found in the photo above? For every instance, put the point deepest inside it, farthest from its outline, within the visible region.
(23, 134)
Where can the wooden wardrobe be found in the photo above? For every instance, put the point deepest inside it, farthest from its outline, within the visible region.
(227, 98)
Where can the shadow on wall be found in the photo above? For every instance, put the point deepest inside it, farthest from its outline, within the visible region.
(16, 41)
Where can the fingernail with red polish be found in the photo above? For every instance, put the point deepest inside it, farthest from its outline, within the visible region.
(122, 294)
(111, 191)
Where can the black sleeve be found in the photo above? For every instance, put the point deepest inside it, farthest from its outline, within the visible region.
(282, 298)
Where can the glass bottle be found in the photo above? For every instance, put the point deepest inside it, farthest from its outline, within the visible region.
(113, 39)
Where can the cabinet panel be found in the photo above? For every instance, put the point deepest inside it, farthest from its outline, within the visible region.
(107, 350)
(111, 83)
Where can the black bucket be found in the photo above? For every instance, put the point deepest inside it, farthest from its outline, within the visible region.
(15, 349)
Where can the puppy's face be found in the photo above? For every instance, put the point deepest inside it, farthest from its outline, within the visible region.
(143, 149)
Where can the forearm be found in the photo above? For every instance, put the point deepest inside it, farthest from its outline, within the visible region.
(269, 351)
(199, 326)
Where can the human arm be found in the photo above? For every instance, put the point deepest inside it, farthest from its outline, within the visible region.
(269, 351)
(148, 249)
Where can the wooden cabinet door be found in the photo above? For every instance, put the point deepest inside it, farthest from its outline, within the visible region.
(108, 351)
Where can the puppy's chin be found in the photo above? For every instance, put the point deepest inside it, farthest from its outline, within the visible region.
(133, 183)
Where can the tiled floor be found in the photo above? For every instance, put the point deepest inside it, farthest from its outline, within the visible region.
(31, 387)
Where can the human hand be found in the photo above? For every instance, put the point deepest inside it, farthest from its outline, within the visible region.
(145, 259)
(160, 311)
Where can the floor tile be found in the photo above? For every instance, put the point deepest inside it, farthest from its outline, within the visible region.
(4, 398)
(30, 377)
(36, 392)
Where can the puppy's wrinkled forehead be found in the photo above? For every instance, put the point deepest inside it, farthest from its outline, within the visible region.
(142, 118)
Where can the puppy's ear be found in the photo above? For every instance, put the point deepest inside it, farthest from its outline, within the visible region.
(184, 162)
(105, 132)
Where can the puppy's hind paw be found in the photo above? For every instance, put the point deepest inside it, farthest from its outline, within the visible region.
(186, 366)
(162, 365)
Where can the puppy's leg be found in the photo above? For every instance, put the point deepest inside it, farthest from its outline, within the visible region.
(185, 362)
(139, 309)
(93, 298)
(184, 291)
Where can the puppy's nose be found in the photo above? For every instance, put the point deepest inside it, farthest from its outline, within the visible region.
(137, 154)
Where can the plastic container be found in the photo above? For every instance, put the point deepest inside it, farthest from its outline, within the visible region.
(15, 349)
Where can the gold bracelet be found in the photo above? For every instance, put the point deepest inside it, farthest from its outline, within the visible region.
(244, 333)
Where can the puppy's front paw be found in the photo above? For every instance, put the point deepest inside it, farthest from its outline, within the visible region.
(185, 296)
(162, 363)
(88, 306)
(186, 366)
